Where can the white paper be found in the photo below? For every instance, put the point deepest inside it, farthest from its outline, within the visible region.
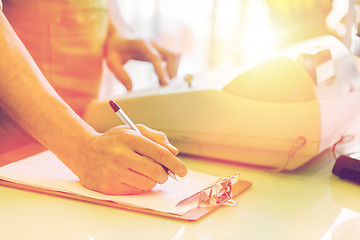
(46, 171)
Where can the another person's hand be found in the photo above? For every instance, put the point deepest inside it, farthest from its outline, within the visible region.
(121, 48)
(122, 161)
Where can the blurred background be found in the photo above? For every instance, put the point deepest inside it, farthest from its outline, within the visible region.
(212, 33)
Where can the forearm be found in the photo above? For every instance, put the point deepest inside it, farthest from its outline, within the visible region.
(119, 161)
(31, 101)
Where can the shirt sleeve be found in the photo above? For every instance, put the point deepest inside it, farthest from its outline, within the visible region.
(1, 6)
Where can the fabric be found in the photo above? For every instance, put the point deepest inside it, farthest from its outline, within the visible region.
(66, 39)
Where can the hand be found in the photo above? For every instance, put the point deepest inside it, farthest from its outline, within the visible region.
(120, 49)
(121, 161)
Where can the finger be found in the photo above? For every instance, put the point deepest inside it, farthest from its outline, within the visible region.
(138, 162)
(172, 64)
(148, 168)
(160, 154)
(160, 70)
(158, 137)
(154, 57)
(124, 189)
(110, 187)
(115, 64)
(129, 177)
(118, 188)
(171, 58)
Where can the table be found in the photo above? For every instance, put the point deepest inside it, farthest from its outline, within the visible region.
(308, 203)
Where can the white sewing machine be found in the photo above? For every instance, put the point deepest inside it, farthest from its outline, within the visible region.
(278, 114)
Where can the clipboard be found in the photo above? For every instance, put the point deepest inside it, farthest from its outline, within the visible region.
(193, 214)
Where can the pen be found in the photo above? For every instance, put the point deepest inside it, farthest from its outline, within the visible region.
(121, 114)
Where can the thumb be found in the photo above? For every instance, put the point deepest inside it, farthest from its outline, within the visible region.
(115, 64)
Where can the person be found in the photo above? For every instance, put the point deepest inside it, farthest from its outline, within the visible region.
(119, 161)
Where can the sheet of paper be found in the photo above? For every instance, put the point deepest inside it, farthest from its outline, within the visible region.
(45, 170)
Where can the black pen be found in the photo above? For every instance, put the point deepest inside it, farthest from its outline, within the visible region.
(121, 114)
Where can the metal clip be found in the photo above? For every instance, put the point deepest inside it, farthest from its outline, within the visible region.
(218, 194)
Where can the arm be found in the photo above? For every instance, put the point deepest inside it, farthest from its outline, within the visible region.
(112, 162)
(122, 45)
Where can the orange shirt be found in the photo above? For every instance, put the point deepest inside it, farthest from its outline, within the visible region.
(66, 39)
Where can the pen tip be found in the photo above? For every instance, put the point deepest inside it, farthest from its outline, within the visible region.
(114, 106)
(171, 174)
